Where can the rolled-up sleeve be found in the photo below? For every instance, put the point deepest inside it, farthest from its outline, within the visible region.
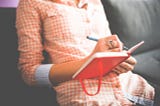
(42, 75)
(30, 46)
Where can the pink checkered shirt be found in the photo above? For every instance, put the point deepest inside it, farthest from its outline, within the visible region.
(61, 31)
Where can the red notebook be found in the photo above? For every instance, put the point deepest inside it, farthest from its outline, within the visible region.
(100, 64)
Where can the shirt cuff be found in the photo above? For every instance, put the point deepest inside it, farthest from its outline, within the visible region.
(139, 100)
(42, 75)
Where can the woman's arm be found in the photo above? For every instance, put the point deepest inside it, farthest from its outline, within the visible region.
(29, 40)
(64, 71)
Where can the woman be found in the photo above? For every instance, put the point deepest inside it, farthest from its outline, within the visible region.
(60, 27)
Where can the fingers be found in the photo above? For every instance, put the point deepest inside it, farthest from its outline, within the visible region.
(125, 66)
(113, 42)
(119, 70)
(131, 60)
(114, 50)
(116, 42)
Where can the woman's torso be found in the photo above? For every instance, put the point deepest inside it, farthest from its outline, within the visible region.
(65, 29)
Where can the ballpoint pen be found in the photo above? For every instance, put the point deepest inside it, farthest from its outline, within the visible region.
(95, 39)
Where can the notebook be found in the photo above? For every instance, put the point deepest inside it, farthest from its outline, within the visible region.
(100, 64)
(108, 60)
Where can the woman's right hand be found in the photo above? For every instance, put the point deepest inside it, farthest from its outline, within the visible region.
(113, 44)
(108, 44)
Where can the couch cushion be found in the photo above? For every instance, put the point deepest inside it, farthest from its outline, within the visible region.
(135, 20)
(148, 65)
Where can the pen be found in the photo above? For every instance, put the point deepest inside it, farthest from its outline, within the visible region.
(95, 39)
(91, 38)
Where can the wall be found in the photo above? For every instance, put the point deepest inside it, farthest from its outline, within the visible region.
(14, 91)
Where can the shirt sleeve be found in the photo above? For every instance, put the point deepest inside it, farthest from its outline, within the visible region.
(30, 47)
(42, 75)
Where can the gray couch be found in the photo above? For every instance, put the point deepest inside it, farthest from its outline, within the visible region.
(133, 21)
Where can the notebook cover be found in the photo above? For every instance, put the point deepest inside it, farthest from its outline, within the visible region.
(105, 61)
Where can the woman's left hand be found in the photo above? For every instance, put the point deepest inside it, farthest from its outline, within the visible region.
(126, 66)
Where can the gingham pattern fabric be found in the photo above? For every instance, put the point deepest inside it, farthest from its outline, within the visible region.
(61, 31)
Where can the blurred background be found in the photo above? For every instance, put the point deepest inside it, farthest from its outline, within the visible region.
(9, 3)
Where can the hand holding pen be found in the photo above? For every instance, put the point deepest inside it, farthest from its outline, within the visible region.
(113, 44)
(110, 43)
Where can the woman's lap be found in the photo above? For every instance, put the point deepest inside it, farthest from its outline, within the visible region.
(71, 93)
